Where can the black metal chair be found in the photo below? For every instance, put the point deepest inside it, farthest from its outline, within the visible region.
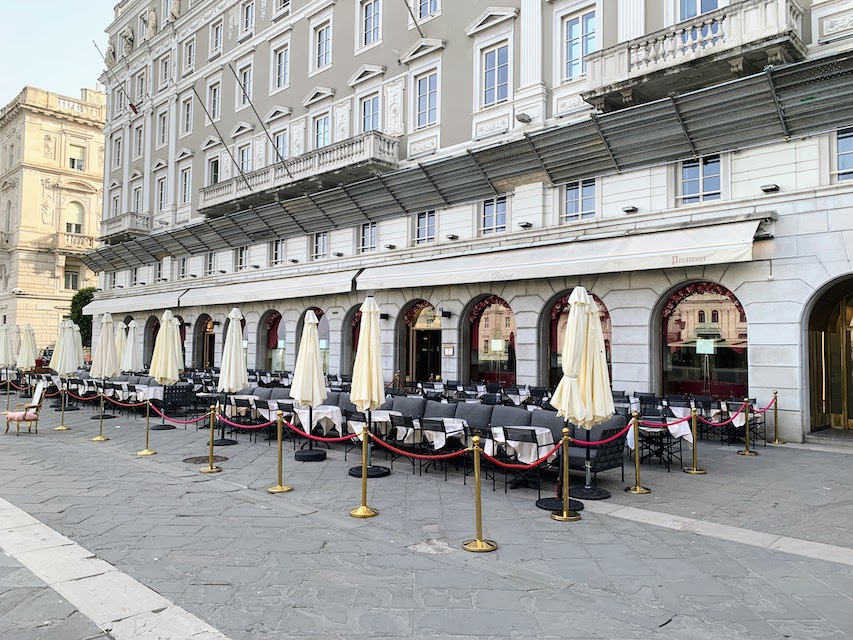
(356, 421)
(521, 435)
(487, 444)
(407, 423)
(432, 429)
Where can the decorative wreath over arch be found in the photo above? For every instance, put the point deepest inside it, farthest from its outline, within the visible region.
(697, 288)
(356, 318)
(413, 312)
(272, 320)
(484, 304)
(563, 303)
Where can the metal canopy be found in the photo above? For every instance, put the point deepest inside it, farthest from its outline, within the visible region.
(803, 98)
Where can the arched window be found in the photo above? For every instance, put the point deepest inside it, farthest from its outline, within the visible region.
(557, 331)
(152, 328)
(420, 340)
(271, 342)
(715, 316)
(492, 348)
(204, 342)
(701, 316)
(74, 218)
(323, 333)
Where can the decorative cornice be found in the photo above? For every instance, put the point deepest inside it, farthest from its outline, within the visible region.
(423, 47)
(277, 112)
(317, 94)
(365, 72)
(489, 18)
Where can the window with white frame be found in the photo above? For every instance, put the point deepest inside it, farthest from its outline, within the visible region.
(117, 152)
(141, 85)
(700, 180)
(186, 183)
(844, 154)
(136, 198)
(579, 200)
(494, 215)
(241, 258)
(323, 45)
(279, 145)
(183, 264)
(281, 67)
(369, 237)
(216, 30)
(321, 246)
(322, 131)
(578, 41)
(247, 22)
(370, 113)
(138, 140)
(134, 276)
(212, 170)
(74, 216)
(692, 8)
(111, 280)
(165, 71)
(142, 26)
(281, 6)
(76, 157)
(277, 251)
(209, 264)
(426, 95)
(187, 115)
(118, 102)
(189, 55)
(371, 20)
(425, 227)
(244, 157)
(115, 208)
(162, 128)
(495, 66)
(214, 100)
(244, 89)
(160, 193)
(426, 8)
(158, 271)
(72, 278)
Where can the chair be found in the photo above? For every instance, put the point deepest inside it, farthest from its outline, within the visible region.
(521, 435)
(537, 396)
(435, 428)
(493, 387)
(487, 444)
(355, 420)
(27, 412)
(407, 423)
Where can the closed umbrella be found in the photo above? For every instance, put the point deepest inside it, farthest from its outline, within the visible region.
(309, 383)
(64, 361)
(131, 357)
(16, 346)
(166, 360)
(78, 345)
(120, 341)
(233, 375)
(105, 362)
(7, 358)
(27, 353)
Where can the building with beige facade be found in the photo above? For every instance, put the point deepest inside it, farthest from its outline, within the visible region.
(51, 191)
(689, 161)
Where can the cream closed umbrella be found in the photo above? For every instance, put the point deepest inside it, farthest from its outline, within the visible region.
(131, 357)
(64, 361)
(120, 341)
(7, 357)
(309, 383)
(27, 353)
(166, 360)
(105, 362)
(78, 345)
(233, 375)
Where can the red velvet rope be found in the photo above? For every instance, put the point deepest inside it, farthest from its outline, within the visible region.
(81, 399)
(418, 456)
(765, 409)
(664, 424)
(165, 417)
(318, 438)
(125, 404)
(532, 465)
(596, 443)
(222, 418)
(51, 395)
(729, 421)
(14, 386)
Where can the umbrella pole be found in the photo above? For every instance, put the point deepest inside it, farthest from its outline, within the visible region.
(373, 471)
(280, 487)
(566, 515)
(311, 454)
(62, 426)
(147, 451)
(363, 511)
(588, 491)
(8, 384)
(100, 437)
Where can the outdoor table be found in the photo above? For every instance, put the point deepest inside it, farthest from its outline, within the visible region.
(380, 418)
(146, 392)
(738, 421)
(230, 407)
(453, 427)
(527, 452)
(680, 430)
(518, 398)
(326, 416)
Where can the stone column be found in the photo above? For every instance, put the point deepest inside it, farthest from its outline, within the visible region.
(632, 19)
(531, 94)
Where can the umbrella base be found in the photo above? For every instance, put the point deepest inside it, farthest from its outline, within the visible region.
(556, 504)
(589, 493)
(376, 471)
(224, 442)
(106, 416)
(310, 455)
(71, 408)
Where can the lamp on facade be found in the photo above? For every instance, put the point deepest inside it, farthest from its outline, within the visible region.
(525, 225)
(294, 260)
(444, 314)
(452, 236)
(630, 209)
(256, 266)
(338, 254)
(384, 316)
(770, 188)
(390, 247)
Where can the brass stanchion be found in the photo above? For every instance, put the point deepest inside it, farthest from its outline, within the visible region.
(363, 511)
(100, 437)
(62, 426)
(146, 451)
(210, 468)
(694, 470)
(478, 545)
(565, 515)
(637, 489)
(280, 487)
(776, 439)
(8, 385)
(745, 451)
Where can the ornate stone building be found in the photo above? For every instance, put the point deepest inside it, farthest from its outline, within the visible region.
(51, 191)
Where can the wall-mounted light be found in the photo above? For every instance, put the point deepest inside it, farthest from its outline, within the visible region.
(294, 260)
(390, 247)
(444, 314)
(118, 286)
(98, 289)
(630, 209)
(384, 316)
(216, 323)
(338, 254)
(770, 188)
(452, 236)
(192, 275)
(256, 266)
(162, 280)
(523, 118)
(141, 284)
(163, 223)
(222, 271)
(525, 225)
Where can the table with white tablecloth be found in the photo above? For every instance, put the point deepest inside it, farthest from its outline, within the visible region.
(676, 430)
(325, 416)
(145, 392)
(527, 452)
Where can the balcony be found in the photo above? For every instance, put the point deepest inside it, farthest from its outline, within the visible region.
(347, 161)
(74, 243)
(126, 226)
(743, 37)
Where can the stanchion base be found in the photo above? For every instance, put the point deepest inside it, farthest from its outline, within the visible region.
(279, 488)
(556, 504)
(375, 471)
(364, 512)
(778, 441)
(694, 472)
(589, 493)
(224, 442)
(210, 470)
(100, 439)
(106, 416)
(71, 408)
(310, 455)
(146, 452)
(637, 490)
(62, 427)
(744, 452)
(479, 546)
(570, 516)
(162, 427)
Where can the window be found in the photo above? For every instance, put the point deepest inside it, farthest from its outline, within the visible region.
(160, 193)
(280, 147)
(368, 237)
(209, 264)
(692, 8)
(281, 67)
(141, 85)
(495, 75)
(427, 97)
(321, 246)
(700, 180)
(282, 5)
(322, 131)
(426, 8)
(579, 203)
(323, 45)
(187, 115)
(277, 252)
(579, 37)
(244, 157)
(844, 150)
(115, 209)
(136, 198)
(715, 316)
(241, 258)
(76, 156)
(214, 103)
(111, 280)
(116, 152)
(158, 271)
(248, 22)
(244, 91)
(213, 170)
(134, 276)
(425, 227)
(701, 316)
(216, 30)
(165, 71)
(186, 182)
(162, 128)
(142, 28)
(189, 55)
(138, 140)
(370, 113)
(72, 279)
(370, 21)
(118, 103)
(182, 268)
(494, 215)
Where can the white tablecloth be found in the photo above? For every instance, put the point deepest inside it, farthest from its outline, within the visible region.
(327, 417)
(144, 392)
(680, 430)
(738, 421)
(453, 428)
(527, 452)
(381, 420)
(521, 396)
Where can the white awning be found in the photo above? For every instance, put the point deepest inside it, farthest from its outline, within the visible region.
(149, 302)
(641, 250)
(279, 289)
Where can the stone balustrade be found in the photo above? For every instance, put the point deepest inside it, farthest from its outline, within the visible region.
(126, 225)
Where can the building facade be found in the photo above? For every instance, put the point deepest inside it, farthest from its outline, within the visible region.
(51, 174)
(685, 160)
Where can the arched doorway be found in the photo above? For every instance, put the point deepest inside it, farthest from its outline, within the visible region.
(182, 333)
(204, 342)
(491, 341)
(701, 357)
(324, 333)
(349, 339)
(421, 341)
(271, 342)
(558, 320)
(149, 337)
(831, 358)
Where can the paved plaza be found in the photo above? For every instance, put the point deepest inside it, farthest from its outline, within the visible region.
(102, 544)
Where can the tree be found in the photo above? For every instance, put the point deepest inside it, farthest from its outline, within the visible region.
(80, 300)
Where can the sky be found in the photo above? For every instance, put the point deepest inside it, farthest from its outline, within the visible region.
(48, 44)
